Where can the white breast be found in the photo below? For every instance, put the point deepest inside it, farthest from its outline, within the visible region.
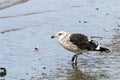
(65, 42)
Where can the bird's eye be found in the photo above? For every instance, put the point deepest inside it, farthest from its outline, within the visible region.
(59, 34)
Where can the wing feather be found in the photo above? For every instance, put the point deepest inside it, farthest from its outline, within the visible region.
(79, 40)
(82, 42)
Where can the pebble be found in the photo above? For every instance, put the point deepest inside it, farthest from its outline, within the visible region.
(44, 67)
(36, 48)
(97, 8)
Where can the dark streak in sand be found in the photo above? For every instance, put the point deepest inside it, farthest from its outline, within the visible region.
(16, 29)
(9, 30)
(27, 14)
(10, 3)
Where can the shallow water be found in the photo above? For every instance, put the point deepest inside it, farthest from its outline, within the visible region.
(30, 24)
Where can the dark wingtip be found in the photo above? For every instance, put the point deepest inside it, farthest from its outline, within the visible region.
(104, 50)
(107, 51)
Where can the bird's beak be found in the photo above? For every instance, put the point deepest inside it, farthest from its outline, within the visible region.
(53, 36)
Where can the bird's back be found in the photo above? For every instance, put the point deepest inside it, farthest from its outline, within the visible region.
(82, 42)
(79, 40)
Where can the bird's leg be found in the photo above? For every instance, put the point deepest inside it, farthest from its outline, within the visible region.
(74, 58)
(74, 66)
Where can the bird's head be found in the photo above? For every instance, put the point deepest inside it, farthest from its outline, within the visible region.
(59, 35)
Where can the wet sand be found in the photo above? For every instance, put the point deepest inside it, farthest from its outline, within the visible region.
(116, 43)
(26, 27)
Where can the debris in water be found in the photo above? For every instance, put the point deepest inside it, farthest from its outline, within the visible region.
(96, 37)
(23, 0)
(85, 22)
(107, 14)
(3, 72)
(97, 8)
(37, 48)
(39, 59)
(79, 21)
(44, 67)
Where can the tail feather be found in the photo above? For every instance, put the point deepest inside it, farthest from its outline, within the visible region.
(102, 49)
(96, 47)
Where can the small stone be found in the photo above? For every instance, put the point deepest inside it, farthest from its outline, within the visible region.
(27, 73)
(44, 67)
(36, 48)
(107, 14)
(85, 22)
(119, 25)
(43, 74)
(32, 77)
(79, 21)
(97, 8)
(39, 59)
(50, 70)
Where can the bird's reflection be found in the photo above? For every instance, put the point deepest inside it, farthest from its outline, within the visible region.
(76, 74)
(74, 66)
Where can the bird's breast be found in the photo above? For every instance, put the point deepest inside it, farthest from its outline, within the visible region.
(68, 45)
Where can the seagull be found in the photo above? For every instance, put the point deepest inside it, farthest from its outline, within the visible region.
(78, 43)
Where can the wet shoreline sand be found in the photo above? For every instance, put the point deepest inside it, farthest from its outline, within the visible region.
(31, 24)
(116, 42)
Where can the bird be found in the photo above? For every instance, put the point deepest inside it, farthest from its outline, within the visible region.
(78, 43)
(3, 72)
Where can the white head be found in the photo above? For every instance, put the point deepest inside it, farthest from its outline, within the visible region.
(59, 35)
